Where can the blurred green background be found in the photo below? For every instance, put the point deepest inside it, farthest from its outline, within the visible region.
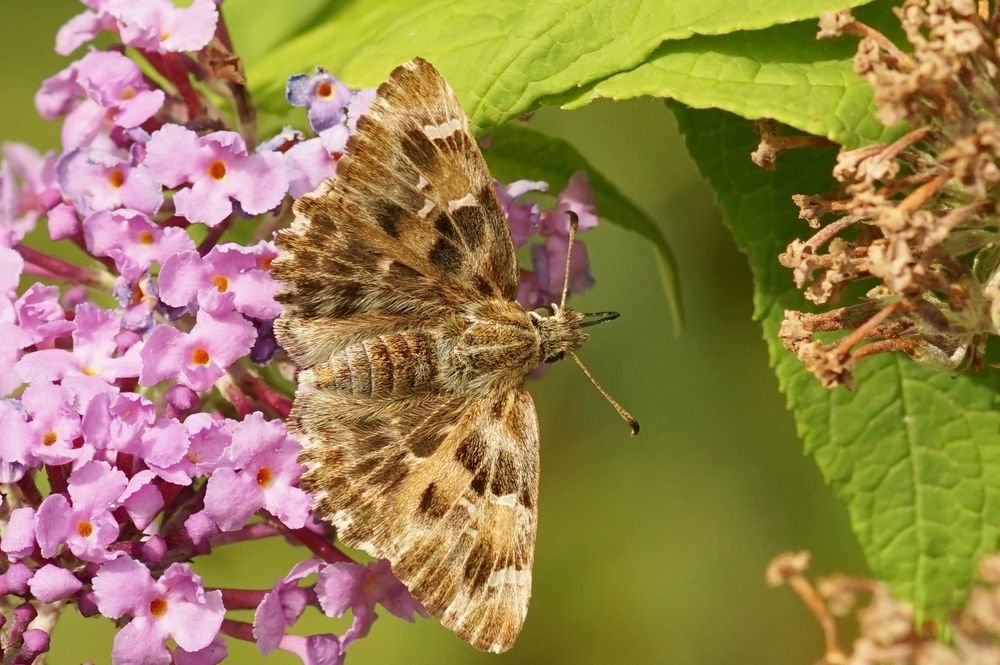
(650, 550)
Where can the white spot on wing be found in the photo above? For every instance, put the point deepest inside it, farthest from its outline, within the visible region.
(509, 575)
(505, 500)
(444, 130)
(428, 206)
(468, 505)
(463, 202)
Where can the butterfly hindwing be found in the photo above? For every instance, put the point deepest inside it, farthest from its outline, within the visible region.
(445, 487)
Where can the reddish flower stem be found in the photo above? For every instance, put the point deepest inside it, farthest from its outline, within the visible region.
(251, 532)
(57, 268)
(172, 68)
(261, 392)
(30, 491)
(215, 234)
(317, 544)
(241, 630)
(241, 599)
(57, 477)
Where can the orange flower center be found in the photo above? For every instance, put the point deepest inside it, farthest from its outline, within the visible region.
(84, 528)
(221, 283)
(217, 169)
(200, 356)
(89, 371)
(264, 476)
(158, 607)
(164, 36)
(265, 263)
(116, 178)
(324, 90)
(127, 93)
(49, 438)
(145, 237)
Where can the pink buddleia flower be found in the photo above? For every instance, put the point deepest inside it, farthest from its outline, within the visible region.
(41, 316)
(323, 649)
(162, 26)
(523, 218)
(53, 426)
(133, 241)
(228, 269)
(549, 261)
(358, 105)
(282, 606)
(196, 359)
(117, 422)
(17, 443)
(103, 87)
(176, 606)
(324, 96)
(207, 437)
(161, 446)
(578, 196)
(84, 522)
(100, 180)
(350, 586)
(28, 189)
(313, 161)
(218, 169)
(262, 471)
(93, 365)
(83, 27)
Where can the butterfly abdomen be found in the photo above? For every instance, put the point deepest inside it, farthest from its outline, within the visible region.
(396, 364)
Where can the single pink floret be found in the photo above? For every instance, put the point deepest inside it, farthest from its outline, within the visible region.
(174, 606)
(218, 169)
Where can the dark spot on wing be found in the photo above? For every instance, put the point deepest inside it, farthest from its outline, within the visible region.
(479, 565)
(505, 475)
(483, 287)
(420, 150)
(431, 503)
(445, 255)
(479, 482)
(471, 452)
(388, 215)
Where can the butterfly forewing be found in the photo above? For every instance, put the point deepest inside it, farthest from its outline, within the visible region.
(381, 268)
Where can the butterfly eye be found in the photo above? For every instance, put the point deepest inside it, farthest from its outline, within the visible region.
(544, 311)
(556, 358)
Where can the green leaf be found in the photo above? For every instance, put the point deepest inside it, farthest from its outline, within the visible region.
(783, 73)
(914, 454)
(505, 56)
(257, 28)
(518, 152)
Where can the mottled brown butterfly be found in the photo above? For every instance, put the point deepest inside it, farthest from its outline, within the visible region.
(420, 439)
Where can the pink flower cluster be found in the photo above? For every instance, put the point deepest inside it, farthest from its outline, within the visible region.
(141, 397)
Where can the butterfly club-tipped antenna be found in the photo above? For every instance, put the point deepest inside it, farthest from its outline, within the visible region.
(592, 319)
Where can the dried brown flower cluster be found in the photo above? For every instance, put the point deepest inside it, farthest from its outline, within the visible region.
(886, 633)
(915, 221)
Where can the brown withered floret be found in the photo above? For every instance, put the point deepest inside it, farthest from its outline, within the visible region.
(917, 218)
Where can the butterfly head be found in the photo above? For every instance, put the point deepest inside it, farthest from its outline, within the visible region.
(558, 331)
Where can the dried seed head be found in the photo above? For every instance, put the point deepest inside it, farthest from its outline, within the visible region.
(918, 217)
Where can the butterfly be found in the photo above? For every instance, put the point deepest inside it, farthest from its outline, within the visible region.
(419, 437)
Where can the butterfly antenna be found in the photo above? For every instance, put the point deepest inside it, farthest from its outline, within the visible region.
(626, 416)
(574, 223)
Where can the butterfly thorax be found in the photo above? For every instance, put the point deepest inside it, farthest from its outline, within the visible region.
(494, 344)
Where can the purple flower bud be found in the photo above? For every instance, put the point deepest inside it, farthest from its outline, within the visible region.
(53, 583)
(18, 539)
(36, 642)
(15, 580)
